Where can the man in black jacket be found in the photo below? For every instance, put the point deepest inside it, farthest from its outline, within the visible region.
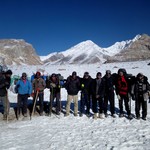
(85, 94)
(4, 85)
(141, 90)
(109, 93)
(72, 86)
(97, 91)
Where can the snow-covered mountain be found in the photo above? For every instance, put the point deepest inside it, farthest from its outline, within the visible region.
(84, 52)
(120, 46)
(88, 52)
(137, 49)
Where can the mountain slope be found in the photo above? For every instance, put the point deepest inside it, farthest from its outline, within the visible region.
(84, 52)
(18, 52)
(137, 50)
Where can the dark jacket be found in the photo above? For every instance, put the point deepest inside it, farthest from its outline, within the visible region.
(85, 84)
(145, 88)
(4, 85)
(101, 89)
(72, 85)
(109, 84)
(54, 86)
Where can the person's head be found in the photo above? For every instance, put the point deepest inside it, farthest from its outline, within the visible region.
(108, 73)
(24, 76)
(98, 75)
(86, 75)
(38, 74)
(140, 76)
(54, 76)
(74, 74)
(8, 73)
(120, 73)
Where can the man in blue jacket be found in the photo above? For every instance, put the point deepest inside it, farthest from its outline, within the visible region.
(24, 89)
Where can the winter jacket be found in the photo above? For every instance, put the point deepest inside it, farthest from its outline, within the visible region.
(141, 88)
(3, 85)
(72, 85)
(101, 89)
(54, 86)
(23, 87)
(38, 84)
(109, 84)
(85, 84)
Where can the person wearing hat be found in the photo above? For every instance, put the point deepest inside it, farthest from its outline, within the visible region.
(72, 86)
(122, 90)
(97, 91)
(4, 85)
(85, 94)
(24, 90)
(38, 85)
(141, 90)
(54, 86)
(109, 93)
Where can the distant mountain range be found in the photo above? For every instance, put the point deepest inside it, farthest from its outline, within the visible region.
(88, 52)
(19, 52)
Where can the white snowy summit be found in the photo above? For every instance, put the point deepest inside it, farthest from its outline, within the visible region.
(88, 52)
(84, 52)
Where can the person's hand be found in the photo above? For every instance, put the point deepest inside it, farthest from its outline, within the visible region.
(32, 94)
(53, 85)
(37, 89)
(149, 93)
(97, 96)
(119, 98)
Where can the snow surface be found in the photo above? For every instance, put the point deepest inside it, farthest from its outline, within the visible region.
(77, 133)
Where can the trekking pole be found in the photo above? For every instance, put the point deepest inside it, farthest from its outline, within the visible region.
(7, 109)
(34, 104)
(51, 98)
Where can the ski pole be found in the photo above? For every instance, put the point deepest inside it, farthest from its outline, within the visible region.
(51, 98)
(7, 109)
(34, 104)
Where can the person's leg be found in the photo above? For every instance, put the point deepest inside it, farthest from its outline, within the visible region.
(69, 98)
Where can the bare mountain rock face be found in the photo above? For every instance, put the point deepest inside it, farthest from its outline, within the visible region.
(137, 50)
(18, 52)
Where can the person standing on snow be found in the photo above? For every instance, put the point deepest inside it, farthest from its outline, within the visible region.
(24, 89)
(109, 93)
(54, 86)
(122, 91)
(85, 94)
(5, 79)
(38, 86)
(97, 91)
(141, 90)
(72, 86)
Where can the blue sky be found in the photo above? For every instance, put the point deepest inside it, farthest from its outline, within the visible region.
(56, 25)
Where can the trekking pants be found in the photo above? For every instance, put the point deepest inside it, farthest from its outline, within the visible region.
(85, 102)
(22, 101)
(6, 104)
(138, 103)
(75, 100)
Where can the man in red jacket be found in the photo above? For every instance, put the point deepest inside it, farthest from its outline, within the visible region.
(122, 88)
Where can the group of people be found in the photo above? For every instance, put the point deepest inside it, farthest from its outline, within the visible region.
(95, 92)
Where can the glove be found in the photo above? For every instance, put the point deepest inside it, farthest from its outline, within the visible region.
(53, 85)
(119, 98)
(133, 97)
(32, 94)
(97, 96)
(82, 86)
(37, 89)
